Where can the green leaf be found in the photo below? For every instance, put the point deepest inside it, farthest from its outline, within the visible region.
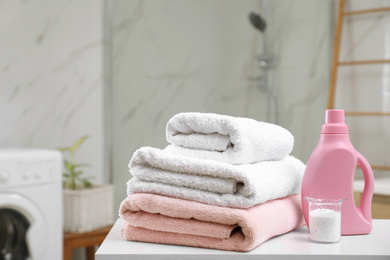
(76, 174)
(63, 149)
(87, 183)
(71, 176)
(77, 144)
(69, 166)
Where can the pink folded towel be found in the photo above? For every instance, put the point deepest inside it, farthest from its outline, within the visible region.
(159, 219)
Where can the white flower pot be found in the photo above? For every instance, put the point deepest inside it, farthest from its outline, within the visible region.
(88, 209)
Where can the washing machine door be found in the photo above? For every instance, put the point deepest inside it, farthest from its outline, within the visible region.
(23, 223)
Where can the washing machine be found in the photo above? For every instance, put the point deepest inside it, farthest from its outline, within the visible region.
(30, 204)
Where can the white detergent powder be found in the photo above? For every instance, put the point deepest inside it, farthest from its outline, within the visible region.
(325, 225)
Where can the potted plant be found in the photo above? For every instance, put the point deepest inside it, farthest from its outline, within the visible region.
(87, 206)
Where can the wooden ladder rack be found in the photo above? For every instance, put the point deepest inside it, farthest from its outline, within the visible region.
(336, 63)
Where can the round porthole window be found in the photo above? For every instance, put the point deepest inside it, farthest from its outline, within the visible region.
(13, 229)
(23, 233)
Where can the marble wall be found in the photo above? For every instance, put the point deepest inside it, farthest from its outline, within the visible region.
(176, 56)
(301, 33)
(51, 76)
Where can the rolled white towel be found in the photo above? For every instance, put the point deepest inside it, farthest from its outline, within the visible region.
(235, 140)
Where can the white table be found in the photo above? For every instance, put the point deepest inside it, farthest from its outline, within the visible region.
(294, 245)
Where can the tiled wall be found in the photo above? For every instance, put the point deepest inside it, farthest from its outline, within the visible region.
(175, 56)
(51, 77)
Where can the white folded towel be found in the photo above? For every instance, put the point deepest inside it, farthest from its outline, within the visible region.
(234, 140)
(212, 182)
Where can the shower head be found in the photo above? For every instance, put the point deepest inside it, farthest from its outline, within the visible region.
(257, 21)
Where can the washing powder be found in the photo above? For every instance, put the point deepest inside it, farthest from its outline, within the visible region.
(325, 225)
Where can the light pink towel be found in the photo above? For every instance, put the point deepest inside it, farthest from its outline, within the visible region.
(159, 219)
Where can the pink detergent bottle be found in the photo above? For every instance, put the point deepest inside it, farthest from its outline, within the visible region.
(330, 171)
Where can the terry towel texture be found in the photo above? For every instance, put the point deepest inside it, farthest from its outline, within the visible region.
(212, 182)
(234, 140)
(160, 219)
(224, 183)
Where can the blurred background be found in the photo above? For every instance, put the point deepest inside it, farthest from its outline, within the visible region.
(118, 70)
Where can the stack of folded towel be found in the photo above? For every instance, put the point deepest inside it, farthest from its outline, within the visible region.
(223, 182)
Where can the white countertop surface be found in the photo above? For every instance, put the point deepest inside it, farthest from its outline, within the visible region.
(294, 245)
